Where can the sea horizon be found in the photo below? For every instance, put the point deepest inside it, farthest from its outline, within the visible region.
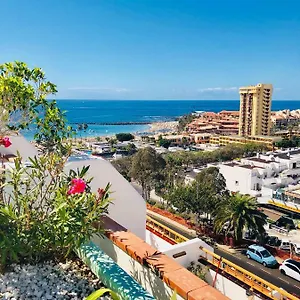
(140, 111)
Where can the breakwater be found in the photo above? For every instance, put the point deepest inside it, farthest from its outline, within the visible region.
(111, 123)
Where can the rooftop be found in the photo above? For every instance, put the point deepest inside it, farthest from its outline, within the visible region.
(261, 160)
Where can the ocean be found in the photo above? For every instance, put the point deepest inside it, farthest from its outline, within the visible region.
(93, 111)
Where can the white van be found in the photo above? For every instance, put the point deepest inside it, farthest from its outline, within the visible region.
(287, 245)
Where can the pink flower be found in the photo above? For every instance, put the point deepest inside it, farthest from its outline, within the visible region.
(77, 186)
(5, 142)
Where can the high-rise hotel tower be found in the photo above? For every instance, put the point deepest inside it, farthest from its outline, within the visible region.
(255, 110)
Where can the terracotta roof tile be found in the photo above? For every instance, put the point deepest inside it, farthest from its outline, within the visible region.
(178, 278)
(183, 282)
(206, 293)
(141, 251)
(123, 239)
(162, 264)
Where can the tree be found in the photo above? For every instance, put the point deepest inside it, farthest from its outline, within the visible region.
(24, 104)
(213, 189)
(181, 197)
(113, 142)
(146, 164)
(173, 171)
(130, 148)
(123, 165)
(239, 211)
(294, 141)
(122, 137)
(202, 196)
(164, 143)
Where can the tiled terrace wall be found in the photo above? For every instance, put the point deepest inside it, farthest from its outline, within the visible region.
(156, 272)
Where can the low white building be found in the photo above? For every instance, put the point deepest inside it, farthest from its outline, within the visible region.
(260, 176)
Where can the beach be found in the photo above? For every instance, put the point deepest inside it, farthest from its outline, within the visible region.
(170, 126)
(154, 129)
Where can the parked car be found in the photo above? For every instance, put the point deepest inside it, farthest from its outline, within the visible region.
(291, 268)
(287, 246)
(296, 248)
(285, 222)
(273, 241)
(261, 255)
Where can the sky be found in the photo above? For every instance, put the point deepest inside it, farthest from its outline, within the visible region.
(156, 49)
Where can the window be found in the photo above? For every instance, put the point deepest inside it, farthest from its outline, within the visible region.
(179, 254)
(292, 267)
(258, 253)
(236, 182)
(265, 253)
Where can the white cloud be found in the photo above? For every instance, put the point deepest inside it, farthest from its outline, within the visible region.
(100, 89)
(217, 89)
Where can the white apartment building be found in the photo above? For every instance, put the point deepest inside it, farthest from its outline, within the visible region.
(260, 176)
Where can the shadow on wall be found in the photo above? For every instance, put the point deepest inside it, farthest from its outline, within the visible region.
(106, 247)
(111, 274)
(148, 279)
(220, 283)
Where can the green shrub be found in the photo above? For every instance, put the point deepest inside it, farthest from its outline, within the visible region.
(185, 215)
(122, 137)
(44, 212)
(151, 202)
(42, 215)
(198, 270)
(160, 205)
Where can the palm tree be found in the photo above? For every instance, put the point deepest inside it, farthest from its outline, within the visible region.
(239, 211)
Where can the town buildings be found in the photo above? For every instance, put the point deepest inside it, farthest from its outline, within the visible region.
(224, 122)
(268, 141)
(255, 110)
(284, 118)
(273, 175)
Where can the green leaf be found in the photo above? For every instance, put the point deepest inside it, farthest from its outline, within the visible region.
(95, 295)
(174, 296)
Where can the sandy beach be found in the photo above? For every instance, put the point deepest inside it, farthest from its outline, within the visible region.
(154, 128)
(163, 126)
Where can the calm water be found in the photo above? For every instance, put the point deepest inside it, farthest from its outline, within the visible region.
(85, 111)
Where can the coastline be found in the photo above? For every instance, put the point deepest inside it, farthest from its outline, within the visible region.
(153, 129)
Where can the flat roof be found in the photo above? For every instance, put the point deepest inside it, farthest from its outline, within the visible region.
(247, 166)
(259, 160)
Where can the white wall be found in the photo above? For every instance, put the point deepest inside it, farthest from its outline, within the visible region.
(226, 286)
(192, 249)
(241, 175)
(156, 242)
(143, 275)
(128, 208)
(21, 145)
(154, 284)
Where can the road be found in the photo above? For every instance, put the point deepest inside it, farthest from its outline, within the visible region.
(271, 275)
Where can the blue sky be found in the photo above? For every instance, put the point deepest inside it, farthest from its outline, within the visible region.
(156, 49)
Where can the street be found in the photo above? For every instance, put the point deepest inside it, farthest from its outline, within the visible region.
(271, 275)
